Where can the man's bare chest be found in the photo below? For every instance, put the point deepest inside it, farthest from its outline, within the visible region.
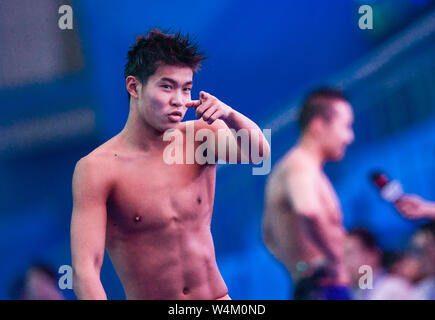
(153, 195)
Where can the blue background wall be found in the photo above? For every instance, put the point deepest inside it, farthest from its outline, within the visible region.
(263, 57)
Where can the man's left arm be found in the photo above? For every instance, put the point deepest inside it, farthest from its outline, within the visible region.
(230, 127)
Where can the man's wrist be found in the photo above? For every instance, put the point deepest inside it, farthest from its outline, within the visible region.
(430, 210)
(228, 116)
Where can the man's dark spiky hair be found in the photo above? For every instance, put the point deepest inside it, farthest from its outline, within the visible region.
(160, 48)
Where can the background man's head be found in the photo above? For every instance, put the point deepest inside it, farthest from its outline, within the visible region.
(403, 264)
(38, 283)
(327, 117)
(159, 73)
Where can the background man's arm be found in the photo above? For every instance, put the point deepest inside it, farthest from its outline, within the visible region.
(305, 201)
(268, 236)
(88, 229)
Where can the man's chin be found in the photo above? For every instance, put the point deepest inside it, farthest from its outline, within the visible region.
(337, 157)
(171, 125)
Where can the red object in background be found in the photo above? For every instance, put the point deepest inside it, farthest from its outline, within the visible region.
(390, 191)
(380, 180)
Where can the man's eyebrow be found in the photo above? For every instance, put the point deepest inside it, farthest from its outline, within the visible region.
(175, 82)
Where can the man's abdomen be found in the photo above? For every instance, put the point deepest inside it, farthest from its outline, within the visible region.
(171, 264)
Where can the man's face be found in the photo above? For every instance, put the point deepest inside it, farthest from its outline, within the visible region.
(162, 100)
(337, 133)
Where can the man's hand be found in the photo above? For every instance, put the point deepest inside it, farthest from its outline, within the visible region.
(414, 207)
(210, 108)
(220, 116)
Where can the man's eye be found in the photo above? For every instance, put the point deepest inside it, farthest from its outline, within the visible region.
(187, 89)
(166, 86)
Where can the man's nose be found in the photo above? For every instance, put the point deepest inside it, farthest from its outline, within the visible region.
(177, 99)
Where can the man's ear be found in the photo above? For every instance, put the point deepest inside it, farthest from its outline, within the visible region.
(133, 86)
(317, 125)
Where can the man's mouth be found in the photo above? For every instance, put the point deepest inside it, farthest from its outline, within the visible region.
(175, 116)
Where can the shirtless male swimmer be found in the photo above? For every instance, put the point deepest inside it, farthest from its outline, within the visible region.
(154, 218)
(302, 222)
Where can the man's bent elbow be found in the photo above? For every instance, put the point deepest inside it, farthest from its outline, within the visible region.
(265, 150)
(263, 153)
(268, 237)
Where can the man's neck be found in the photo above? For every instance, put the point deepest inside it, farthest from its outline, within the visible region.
(140, 135)
(311, 148)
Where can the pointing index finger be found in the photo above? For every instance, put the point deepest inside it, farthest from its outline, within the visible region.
(194, 103)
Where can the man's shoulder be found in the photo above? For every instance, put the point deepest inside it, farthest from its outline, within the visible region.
(295, 165)
(99, 159)
(290, 169)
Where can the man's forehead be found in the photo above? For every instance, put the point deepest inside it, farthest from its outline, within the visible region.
(343, 108)
(180, 74)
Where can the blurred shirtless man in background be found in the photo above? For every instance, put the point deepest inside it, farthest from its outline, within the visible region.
(302, 223)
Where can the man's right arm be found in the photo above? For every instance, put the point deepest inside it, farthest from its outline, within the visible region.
(88, 229)
(304, 199)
